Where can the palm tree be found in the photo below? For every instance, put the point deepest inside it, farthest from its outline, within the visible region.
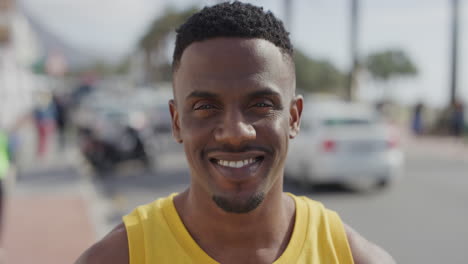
(154, 40)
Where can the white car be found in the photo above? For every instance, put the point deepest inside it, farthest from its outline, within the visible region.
(345, 143)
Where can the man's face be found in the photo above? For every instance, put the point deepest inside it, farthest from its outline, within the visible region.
(235, 111)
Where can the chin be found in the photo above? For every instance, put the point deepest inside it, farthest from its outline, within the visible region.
(239, 204)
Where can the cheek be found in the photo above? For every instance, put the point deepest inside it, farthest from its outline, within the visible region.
(195, 134)
(275, 129)
(192, 127)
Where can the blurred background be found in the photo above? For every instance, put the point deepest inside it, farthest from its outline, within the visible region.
(85, 130)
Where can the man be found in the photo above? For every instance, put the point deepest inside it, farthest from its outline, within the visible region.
(4, 169)
(234, 111)
(7, 177)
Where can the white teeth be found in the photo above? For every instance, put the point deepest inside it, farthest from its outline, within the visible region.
(236, 164)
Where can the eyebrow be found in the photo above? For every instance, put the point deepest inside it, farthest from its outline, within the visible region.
(201, 94)
(206, 94)
(264, 92)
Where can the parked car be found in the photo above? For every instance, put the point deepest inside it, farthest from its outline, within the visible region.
(346, 143)
(155, 102)
(113, 130)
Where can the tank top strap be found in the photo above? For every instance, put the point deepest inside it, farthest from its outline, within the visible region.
(135, 237)
(340, 239)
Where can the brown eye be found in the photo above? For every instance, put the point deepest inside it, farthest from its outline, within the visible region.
(204, 107)
(263, 105)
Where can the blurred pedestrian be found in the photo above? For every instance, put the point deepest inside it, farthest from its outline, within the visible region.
(418, 120)
(44, 116)
(5, 169)
(85, 87)
(61, 117)
(234, 110)
(458, 119)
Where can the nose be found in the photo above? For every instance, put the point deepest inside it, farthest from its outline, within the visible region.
(234, 130)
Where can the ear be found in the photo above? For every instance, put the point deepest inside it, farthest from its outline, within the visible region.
(295, 113)
(175, 121)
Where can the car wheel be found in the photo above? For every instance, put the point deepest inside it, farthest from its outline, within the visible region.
(383, 183)
(370, 186)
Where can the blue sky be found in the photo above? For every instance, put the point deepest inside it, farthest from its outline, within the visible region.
(320, 28)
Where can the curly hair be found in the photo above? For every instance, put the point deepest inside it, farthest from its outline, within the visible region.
(236, 19)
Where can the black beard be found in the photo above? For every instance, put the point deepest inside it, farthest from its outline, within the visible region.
(239, 206)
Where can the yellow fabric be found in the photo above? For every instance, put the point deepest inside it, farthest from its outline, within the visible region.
(156, 234)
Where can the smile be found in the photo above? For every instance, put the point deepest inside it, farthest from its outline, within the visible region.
(237, 167)
(236, 164)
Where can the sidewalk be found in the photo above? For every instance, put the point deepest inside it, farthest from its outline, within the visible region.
(49, 229)
(435, 146)
(48, 215)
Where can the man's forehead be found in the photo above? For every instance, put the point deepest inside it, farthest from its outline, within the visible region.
(229, 53)
(227, 44)
(230, 60)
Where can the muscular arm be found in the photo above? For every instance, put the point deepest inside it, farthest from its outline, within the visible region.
(365, 252)
(113, 248)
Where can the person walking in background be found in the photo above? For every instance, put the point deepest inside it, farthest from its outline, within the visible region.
(8, 147)
(5, 170)
(418, 121)
(61, 121)
(44, 116)
(458, 119)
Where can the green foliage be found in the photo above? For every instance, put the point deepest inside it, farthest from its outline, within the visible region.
(389, 64)
(316, 75)
(38, 67)
(123, 66)
(163, 26)
(154, 41)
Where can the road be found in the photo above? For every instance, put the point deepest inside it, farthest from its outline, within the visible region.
(421, 219)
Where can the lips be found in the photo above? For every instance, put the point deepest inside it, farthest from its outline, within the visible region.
(237, 167)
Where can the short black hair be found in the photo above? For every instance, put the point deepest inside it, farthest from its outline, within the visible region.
(236, 19)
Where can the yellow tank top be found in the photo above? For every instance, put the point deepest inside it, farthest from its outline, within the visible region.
(156, 234)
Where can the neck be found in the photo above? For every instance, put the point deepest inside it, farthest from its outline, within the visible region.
(268, 226)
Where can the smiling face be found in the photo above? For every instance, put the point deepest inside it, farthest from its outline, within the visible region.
(235, 111)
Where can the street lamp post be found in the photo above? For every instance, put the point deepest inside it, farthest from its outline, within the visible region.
(354, 36)
(454, 51)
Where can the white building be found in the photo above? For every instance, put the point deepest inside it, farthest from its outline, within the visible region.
(19, 50)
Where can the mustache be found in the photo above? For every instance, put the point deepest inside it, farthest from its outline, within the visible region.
(238, 149)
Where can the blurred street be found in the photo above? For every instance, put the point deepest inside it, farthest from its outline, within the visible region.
(418, 219)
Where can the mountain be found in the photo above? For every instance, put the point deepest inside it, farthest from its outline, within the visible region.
(76, 58)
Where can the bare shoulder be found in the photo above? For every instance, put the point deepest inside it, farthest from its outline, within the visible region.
(364, 251)
(113, 248)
